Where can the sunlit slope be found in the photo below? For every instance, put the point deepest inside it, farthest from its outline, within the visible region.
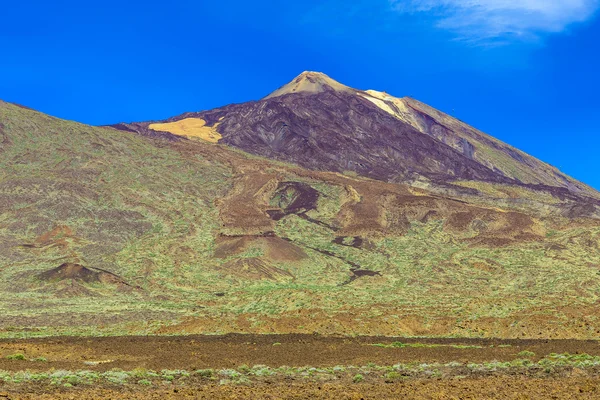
(109, 232)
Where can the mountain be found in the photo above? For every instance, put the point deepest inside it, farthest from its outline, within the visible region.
(321, 124)
(320, 208)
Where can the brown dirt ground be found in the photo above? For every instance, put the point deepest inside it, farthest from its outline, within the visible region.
(464, 389)
(231, 351)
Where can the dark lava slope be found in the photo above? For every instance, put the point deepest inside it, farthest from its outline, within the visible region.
(337, 131)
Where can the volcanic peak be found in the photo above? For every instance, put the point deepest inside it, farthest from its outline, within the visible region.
(310, 82)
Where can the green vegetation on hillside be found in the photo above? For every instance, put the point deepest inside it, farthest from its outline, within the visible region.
(148, 213)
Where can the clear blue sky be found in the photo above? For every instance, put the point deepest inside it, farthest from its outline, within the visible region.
(524, 71)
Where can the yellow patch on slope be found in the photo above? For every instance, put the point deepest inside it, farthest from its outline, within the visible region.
(384, 101)
(190, 127)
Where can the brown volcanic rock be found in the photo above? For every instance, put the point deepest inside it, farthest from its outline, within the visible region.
(79, 273)
(71, 271)
(275, 248)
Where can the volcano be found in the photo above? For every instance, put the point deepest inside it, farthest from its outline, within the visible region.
(319, 123)
(319, 208)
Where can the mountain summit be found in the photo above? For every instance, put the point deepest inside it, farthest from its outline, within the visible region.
(310, 82)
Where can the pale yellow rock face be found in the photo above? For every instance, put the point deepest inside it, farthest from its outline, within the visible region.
(190, 127)
(392, 105)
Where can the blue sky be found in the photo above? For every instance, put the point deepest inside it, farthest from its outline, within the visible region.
(524, 71)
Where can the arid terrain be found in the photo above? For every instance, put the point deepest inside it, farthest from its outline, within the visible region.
(298, 367)
(310, 227)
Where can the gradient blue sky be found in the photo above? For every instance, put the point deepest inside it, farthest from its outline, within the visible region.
(524, 71)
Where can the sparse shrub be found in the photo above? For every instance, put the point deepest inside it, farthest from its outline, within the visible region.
(244, 368)
(392, 376)
(5, 377)
(73, 380)
(17, 356)
(60, 374)
(433, 373)
(170, 375)
(454, 364)
(231, 373)
(139, 373)
(526, 354)
(496, 365)
(262, 370)
(287, 371)
(400, 345)
(40, 359)
(358, 378)
(31, 377)
(145, 382)
(175, 373)
(521, 362)
(204, 373)
(115, 376)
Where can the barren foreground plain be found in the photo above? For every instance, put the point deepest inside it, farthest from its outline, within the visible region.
(298, 367)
